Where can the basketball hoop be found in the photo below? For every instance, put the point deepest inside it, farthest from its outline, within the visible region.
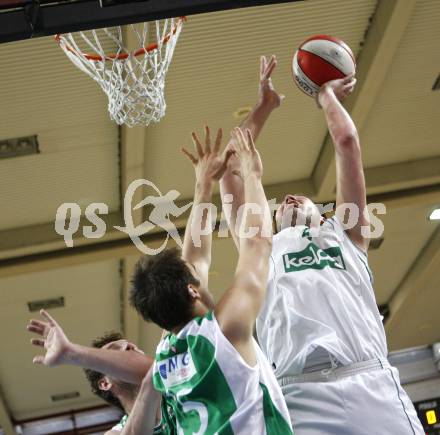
(134, 80)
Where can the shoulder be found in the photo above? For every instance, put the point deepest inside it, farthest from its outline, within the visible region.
(196, 326)
(287, 237)
(335, 224)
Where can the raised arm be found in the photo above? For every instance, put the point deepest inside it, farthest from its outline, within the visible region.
(268, 100)
(350, 180)
(237, 310)
(130, 366)
(142, 418)
(209, 167)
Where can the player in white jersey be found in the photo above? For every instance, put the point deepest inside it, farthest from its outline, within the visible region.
(320, 327)
(209, 368)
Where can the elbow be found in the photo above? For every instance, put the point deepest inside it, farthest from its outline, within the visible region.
(260, 243)
(267, 244)
(348, 141)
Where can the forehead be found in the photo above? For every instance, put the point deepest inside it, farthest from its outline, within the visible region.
(304, 199)
(117, 344)
(300, 198)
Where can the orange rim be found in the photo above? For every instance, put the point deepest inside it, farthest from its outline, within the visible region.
(122, 56)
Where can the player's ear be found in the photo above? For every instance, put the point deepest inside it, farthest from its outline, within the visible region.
(104, 384)
(193, 292)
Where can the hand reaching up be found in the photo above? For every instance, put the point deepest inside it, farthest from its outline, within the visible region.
(208, 163)
(267, 94)
(53, 339)
(247, 154)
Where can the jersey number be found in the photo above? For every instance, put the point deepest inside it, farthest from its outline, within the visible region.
(202, 412)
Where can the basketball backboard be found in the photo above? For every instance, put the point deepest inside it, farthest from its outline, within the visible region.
(22, 19)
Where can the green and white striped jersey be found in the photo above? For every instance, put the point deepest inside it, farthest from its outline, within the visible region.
(166, 426)
(212, 390)
(121, 424)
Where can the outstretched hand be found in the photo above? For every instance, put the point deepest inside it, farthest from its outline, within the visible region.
(53, 339)
(267, 93)
(249, 157)
(340, 87)
(208, 163)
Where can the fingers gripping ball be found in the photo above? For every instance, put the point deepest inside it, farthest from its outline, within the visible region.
(320, 59)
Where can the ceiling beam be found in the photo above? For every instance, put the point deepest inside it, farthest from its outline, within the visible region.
(418, 196)
(413, 285)
(408, 178)
(273, 191)
(5, 419)
(398, 176)
(382, 40)
(124, 247)
(40, 238)
(67, 257)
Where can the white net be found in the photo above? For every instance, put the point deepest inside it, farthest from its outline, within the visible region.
(134, 80)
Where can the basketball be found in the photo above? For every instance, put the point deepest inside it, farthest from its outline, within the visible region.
(320, 59)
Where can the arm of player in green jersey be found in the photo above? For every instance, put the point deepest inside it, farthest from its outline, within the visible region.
(209, 167)
(232, 182)
(237, 310)
(350, 180)
(129, 366)
(142, 418)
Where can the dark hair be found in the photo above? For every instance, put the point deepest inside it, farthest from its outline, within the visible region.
(94, 377)
(160, 289)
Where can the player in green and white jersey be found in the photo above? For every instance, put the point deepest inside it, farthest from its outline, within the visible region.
(143, 415)
(209, 368)
(114, 367)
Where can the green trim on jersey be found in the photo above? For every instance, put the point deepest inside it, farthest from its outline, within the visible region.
(212, 390)
(207, 387)
(275, 423)
(167, 425)
(123, 421)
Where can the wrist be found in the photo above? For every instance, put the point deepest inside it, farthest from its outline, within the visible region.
(265, 106)
(204, 187)
(252, 176)
(72, 354)
(323, 96)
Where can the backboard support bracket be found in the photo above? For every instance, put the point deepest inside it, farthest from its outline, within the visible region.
(31, 11)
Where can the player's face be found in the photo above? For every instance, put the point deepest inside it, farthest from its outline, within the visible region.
(296, 210)
(123, 345)
(115, 385)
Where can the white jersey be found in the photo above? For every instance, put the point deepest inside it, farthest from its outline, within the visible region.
(319, 295)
